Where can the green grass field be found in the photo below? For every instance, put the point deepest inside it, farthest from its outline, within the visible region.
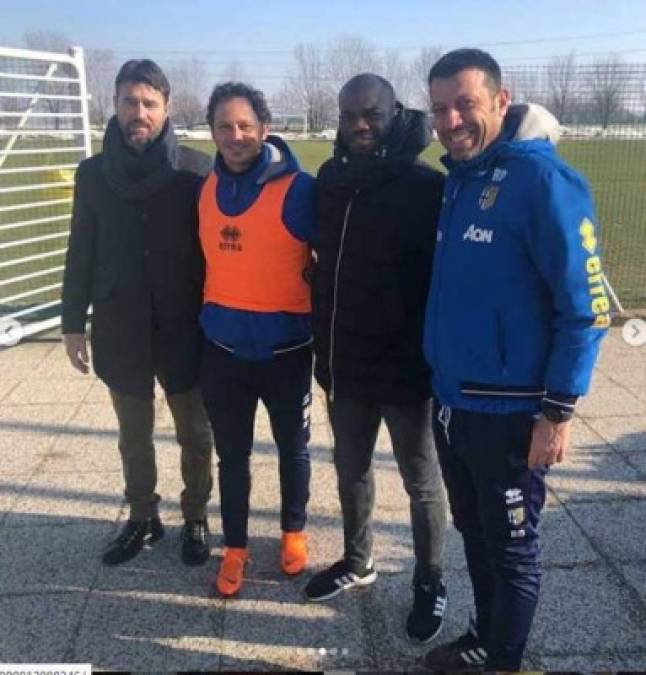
(616, 170)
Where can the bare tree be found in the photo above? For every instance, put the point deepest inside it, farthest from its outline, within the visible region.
(525, 84)
(419, 76)
(46, 40)
(283, 100)
(234, 71)
(52, 41)
(398, 73)
(607, 85)
(562, 82)
(349, 55)
(188, 91)
(101, 69)
(9, 105)
(307, 89)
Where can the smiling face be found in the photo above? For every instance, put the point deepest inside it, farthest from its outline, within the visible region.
(468, 112)
(141, 113)
(366, 110)
(238, 133)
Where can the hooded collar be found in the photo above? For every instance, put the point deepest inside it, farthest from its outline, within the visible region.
(408, 134)
(525, 122)
(135, 175)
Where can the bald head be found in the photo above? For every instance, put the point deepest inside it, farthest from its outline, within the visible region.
(368, 82)
(366, 109)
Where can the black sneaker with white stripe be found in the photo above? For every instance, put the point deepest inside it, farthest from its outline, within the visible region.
(425, 620)
(466, 654)
(339, 577)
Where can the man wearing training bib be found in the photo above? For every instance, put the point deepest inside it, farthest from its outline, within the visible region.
(257, 218)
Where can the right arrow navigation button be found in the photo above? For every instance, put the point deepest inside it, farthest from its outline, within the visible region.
(634, 332)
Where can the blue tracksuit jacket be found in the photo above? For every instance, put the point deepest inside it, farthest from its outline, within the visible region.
(517, 307)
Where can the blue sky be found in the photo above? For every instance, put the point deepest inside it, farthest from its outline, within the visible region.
(261, 35)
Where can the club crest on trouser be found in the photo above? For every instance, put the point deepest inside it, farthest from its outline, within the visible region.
(516, 516)
(488, 197)
(498, 175)
(513, 496)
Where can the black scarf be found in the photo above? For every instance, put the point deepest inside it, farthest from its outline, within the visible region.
(138, 176)
(408, 135)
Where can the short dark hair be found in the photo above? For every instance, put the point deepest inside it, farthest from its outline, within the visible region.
(143, 71)
(228, 90)
(453, 62)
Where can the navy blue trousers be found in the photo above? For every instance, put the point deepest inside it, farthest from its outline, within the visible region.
(231, 388)
(495, 501)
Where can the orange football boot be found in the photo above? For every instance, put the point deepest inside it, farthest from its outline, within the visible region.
(293, 552)
(229, 580)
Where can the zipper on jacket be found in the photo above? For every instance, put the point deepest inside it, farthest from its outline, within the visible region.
(501, 342)
(336, 293)
(446, 213)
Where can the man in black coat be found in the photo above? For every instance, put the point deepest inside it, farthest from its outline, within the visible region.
(378, 208)
(134, 254)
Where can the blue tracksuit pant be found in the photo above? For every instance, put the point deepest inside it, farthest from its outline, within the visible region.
(495, 501)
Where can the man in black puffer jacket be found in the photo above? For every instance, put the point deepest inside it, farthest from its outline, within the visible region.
(134, 254)
(378, 208)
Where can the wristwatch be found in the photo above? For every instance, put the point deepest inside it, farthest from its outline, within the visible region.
(557, 415)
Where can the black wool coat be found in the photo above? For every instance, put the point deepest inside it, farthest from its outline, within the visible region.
(139, 263)
(377, 229)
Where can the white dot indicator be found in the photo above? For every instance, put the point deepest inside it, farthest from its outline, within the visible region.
(11, 332)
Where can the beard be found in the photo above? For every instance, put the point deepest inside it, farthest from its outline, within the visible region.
(140, 143)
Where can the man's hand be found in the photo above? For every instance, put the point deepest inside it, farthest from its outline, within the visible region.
(76, 348)
(550, 442)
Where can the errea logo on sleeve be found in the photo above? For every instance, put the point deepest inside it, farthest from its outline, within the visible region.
(588, 238)
(478, 234)
(599, 302)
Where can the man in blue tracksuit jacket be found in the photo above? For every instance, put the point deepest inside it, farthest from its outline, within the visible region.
(516, 312)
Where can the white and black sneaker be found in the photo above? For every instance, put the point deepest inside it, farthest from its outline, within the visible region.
(429, 604)
(466, 654)
(339, 577)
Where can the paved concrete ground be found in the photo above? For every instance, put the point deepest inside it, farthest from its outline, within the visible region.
(60, 502)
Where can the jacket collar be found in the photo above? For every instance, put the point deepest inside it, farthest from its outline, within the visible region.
(408, 135)
(523, 122)
(138, 176)
(274, 160)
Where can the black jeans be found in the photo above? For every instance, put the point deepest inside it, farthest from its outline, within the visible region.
(496, 502)
(231, 388)
(355, 424)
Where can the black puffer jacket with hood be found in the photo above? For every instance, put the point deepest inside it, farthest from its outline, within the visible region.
(377, 225)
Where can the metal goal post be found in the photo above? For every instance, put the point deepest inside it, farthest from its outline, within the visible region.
(44, 134)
